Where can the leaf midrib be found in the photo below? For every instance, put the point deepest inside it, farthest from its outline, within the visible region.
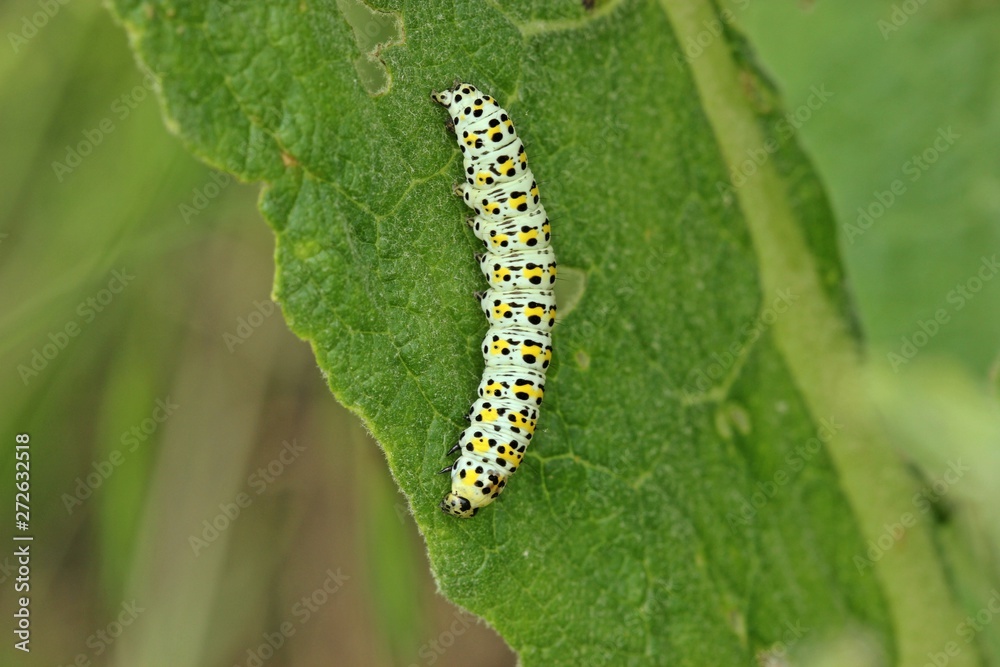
(823, 358)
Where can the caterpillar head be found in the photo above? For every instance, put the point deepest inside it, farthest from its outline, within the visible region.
(456, 97)
(465, 104)
(474, 484)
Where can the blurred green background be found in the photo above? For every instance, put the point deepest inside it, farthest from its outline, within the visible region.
(92, 184)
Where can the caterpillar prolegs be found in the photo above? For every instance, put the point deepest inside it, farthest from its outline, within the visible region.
(520, 306)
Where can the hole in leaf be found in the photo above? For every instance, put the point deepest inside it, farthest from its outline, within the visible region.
(569, 289)
(373, 31)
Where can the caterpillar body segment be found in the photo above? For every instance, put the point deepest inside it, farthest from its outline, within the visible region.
(520, 269)
(513, 383)
(530, 232)
(519, 308)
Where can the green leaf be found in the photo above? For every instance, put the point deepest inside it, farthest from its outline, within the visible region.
(706, 476)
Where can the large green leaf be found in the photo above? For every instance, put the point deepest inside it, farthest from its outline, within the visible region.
(705, 477)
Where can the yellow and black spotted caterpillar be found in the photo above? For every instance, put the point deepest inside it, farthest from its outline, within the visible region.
(520, 306)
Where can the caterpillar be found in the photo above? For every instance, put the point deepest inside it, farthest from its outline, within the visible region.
(520, 306)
